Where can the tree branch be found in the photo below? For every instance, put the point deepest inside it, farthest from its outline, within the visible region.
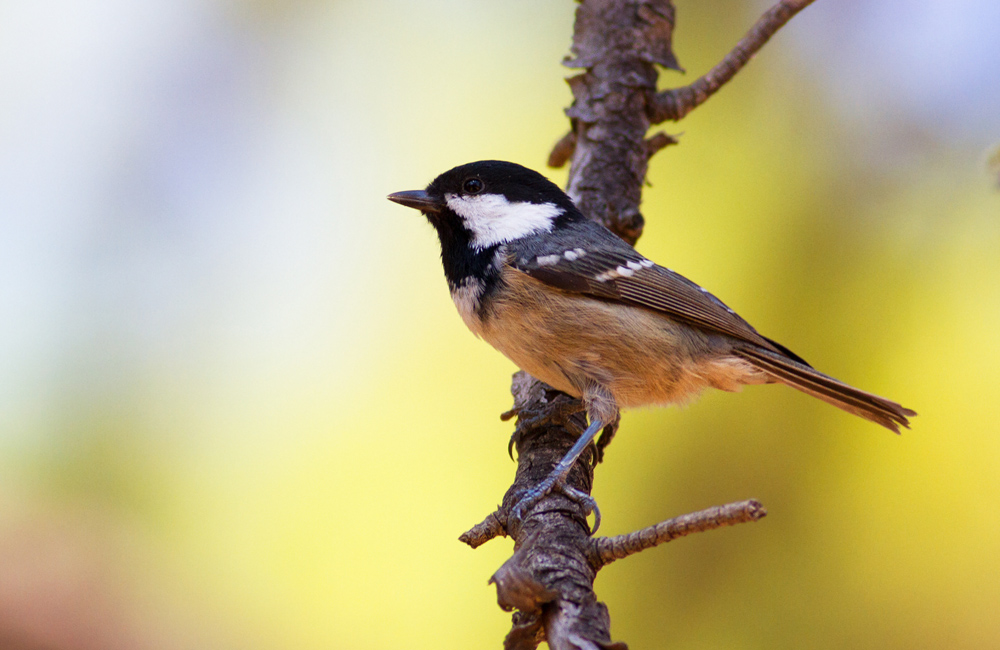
(675, 104)
(549, 579)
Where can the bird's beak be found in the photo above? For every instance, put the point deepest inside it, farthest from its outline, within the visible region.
(418, 199)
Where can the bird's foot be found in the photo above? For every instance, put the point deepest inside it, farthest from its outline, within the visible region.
(557, 479)
(554, 483)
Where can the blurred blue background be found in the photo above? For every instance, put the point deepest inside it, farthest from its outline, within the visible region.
(238, 410)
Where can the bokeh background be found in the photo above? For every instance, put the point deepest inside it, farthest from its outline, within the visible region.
(238, 410)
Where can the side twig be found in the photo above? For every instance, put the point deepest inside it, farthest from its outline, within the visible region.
(675, 104)
(609, 549)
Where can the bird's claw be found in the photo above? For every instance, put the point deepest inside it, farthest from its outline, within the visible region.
(588, 502)
(550, 484)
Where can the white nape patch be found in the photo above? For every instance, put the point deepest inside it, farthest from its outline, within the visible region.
(624, 271)
(547, 260)
(495, 220)
(571, 255)
(648, 263)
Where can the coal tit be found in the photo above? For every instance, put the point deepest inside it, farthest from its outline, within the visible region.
(580, 309)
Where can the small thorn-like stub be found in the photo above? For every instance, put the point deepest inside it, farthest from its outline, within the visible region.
(659, 141)
(562, 151)
(484, 531)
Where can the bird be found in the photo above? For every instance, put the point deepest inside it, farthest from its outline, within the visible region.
(577, 307)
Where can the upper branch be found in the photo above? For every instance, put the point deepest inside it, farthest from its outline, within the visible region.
(618, 45)
(675, 104)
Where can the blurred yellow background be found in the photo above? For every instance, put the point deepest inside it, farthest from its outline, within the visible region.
(238, 410)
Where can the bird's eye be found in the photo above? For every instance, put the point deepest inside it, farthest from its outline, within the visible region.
(473, 186)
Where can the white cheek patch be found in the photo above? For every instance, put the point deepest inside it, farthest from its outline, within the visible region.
(493, 219)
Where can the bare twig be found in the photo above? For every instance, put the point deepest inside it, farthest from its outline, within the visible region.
(609, 549)
(675, 104)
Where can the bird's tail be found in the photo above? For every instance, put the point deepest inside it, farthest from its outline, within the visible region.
(808, 380)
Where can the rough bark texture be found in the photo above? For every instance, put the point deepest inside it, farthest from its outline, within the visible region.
(618, 45)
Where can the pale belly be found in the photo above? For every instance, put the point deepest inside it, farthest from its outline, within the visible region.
(642, 357)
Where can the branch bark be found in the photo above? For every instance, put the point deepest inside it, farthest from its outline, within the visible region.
(549, 579)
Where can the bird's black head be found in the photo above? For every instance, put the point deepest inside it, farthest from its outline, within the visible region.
(492, 201)
(480, 206)
(515, 183)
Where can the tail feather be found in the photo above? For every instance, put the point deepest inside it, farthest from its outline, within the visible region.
(804, 378)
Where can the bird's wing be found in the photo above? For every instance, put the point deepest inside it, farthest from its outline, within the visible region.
(601, 265)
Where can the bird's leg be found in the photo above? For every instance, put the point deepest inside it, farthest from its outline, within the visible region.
(606, 436)
(601, 410)
(556, 480)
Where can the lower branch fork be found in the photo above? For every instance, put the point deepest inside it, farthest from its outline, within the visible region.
(549, 580)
